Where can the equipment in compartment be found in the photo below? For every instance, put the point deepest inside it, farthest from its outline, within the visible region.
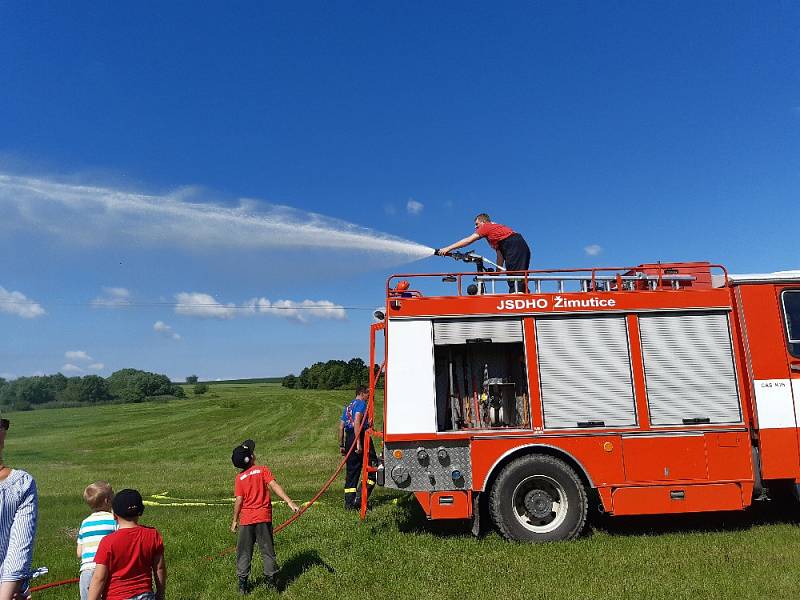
(481, 386)
(501, 401)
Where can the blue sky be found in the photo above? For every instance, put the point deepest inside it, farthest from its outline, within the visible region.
(607, 133)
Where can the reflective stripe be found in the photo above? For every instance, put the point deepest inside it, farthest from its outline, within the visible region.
(349, 490)
(370, 482)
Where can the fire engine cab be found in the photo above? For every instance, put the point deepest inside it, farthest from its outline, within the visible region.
(661, 388)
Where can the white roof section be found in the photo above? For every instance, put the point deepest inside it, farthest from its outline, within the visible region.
(777, 276)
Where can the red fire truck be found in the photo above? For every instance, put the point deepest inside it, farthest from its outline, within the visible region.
(662, 388)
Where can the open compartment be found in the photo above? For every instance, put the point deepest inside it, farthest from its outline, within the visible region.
(481, 374)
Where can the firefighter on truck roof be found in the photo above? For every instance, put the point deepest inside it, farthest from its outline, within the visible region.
(512, 251)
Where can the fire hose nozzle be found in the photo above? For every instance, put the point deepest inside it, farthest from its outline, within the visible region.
(466, 256)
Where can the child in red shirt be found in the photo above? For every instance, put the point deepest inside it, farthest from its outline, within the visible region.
(128, 559)
(252, 514)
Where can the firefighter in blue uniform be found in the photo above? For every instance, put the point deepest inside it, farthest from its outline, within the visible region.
(354, 415)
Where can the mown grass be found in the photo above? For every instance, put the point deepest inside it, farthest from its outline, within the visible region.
(183, 448)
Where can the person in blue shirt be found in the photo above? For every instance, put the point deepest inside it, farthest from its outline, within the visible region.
(354, 418)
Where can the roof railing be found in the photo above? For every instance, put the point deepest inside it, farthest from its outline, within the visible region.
(609, 279)
(600, 283)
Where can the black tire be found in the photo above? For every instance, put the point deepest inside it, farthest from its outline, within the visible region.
(538, 498)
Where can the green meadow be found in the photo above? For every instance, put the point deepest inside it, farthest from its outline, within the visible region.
(178, 455)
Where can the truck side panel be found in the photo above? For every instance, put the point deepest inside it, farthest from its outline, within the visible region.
(772, 387)
(410, 377)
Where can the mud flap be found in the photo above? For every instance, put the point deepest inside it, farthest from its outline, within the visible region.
(476, 514)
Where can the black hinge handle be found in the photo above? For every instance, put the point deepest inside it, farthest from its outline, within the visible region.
(697, 421)
(591, 423)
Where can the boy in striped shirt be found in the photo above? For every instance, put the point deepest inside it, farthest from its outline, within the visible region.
(93, 529)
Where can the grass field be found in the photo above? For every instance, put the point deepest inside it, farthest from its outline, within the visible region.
(183, 449)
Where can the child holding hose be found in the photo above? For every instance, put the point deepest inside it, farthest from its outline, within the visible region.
(252, 514)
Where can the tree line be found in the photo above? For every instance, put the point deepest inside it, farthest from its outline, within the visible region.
(125, 385)
(331, 375)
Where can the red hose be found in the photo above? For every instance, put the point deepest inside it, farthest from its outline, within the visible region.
(47, 586)
(322, 490)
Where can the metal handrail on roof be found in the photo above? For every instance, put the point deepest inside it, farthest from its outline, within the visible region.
(598, 279)
(601, 282)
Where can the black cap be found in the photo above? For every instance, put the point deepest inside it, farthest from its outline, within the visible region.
(128, 504)
(242, 457)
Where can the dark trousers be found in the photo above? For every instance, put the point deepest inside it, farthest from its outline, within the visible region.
(517, 257)
(249, 536)
(352, 491)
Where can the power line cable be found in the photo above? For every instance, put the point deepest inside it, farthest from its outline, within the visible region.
(113, 305)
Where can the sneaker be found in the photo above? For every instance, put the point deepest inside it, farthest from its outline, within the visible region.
(243, 587)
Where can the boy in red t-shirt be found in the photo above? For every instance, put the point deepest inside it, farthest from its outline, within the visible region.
(252, 514)
(128, 559)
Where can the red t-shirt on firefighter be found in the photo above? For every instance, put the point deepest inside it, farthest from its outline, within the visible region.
(129, 554)
(253, 486)
(494, 232)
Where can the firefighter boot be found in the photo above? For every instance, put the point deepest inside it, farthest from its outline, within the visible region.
(243, 587)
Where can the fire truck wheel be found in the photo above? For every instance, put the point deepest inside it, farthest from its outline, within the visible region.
(538, 498)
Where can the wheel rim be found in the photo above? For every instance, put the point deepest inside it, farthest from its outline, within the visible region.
(539, 503)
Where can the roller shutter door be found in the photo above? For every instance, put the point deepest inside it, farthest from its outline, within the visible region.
(461, 331)
(688, 363)
(585, 372)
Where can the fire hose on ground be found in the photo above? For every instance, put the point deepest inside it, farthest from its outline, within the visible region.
(278, 529)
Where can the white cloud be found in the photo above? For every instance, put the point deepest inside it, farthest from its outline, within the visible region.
(165, 330)
(302, 312)
(115, 216)
(16, 303)
(593, 249)
(197, 304)
(413, 207)
(80, 356)
(113, 297)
